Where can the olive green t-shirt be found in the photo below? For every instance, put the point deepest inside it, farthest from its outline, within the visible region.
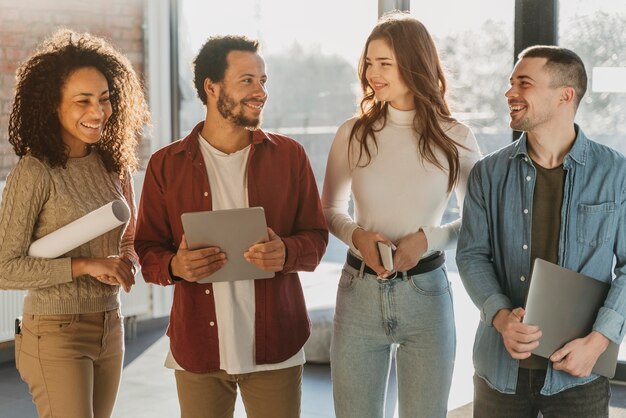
(546, 229)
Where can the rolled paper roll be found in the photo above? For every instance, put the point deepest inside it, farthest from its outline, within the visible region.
(81, 230)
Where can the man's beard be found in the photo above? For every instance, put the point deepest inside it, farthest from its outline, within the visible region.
(226, 106)
(529, 123)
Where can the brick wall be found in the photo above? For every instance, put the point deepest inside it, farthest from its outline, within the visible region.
(25, 23)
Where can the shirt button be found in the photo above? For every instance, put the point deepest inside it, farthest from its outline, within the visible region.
(527, 178)
(206, 194)
(212, 323)
(525, 246)
(208, 292)
(525, 211)
(523, 278)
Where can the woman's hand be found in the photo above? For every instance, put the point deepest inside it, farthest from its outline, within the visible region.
(366, 242)
(409, 251)
(113, 271)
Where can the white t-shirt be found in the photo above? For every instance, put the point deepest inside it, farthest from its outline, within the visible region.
(399, 192)
(234, 301)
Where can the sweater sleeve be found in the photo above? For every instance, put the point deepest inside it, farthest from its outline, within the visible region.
(444, 237)
(337, 186)
(26, 192)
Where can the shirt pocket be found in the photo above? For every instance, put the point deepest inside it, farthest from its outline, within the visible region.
(594, 222)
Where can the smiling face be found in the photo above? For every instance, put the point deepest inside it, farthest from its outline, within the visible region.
(383, 76)
(84, 109)
(242, 92)
(531, 98)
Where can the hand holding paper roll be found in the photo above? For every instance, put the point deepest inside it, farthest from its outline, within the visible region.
(112, 271)
(81, 230)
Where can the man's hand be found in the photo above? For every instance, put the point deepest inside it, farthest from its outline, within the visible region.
(366, 242)
(578, 356)
(410, 250)
(193, 265)
(268, 256)
(519, 339)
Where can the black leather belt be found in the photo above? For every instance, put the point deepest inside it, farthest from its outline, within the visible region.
(430, 263)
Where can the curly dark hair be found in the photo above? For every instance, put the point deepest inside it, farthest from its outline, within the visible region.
(34, 126)
(211, 61)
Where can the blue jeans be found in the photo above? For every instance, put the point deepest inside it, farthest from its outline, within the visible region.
(590, 400)
(371, 316)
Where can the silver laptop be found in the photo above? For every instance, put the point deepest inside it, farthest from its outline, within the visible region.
(564, 304)
(234, 231)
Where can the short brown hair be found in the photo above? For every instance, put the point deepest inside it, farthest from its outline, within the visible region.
(564, 65)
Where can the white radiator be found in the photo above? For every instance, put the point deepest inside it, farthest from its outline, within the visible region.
(10, 304)
(10, 307)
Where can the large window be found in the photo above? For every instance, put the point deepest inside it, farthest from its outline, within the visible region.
(475, 43)
(594, 30)
(311, 53)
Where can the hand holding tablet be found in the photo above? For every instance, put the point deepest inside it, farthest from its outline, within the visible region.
(233, 232)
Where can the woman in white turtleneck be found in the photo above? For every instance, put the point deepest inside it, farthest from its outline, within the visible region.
(400, 159)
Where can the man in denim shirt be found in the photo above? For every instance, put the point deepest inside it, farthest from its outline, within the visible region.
(552, 194)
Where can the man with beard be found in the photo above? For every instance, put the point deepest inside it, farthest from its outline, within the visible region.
(245, 334)
(556, 195)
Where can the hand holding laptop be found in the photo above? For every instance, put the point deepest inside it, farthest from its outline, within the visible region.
(579, 356)
(519, 338)
(565, 304)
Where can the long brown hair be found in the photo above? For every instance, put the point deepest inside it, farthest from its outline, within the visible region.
(34, 126)
(421, 71)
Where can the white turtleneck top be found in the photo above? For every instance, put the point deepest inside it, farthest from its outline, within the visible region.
(399, 192)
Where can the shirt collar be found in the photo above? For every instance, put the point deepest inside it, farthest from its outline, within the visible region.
(578, 152)
(190, 145)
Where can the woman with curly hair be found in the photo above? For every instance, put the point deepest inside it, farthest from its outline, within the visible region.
(401, 159)
(78, 111)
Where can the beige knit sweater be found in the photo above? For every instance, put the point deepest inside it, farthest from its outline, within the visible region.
(38, 200)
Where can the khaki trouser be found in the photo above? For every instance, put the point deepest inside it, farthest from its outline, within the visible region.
(267, 394)
(72, 363)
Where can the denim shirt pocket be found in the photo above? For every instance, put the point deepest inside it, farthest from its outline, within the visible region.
(594, 222)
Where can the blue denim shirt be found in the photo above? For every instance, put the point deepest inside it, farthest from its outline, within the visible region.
(493, 253)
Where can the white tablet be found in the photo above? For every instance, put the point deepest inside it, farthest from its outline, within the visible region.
(233, 231)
